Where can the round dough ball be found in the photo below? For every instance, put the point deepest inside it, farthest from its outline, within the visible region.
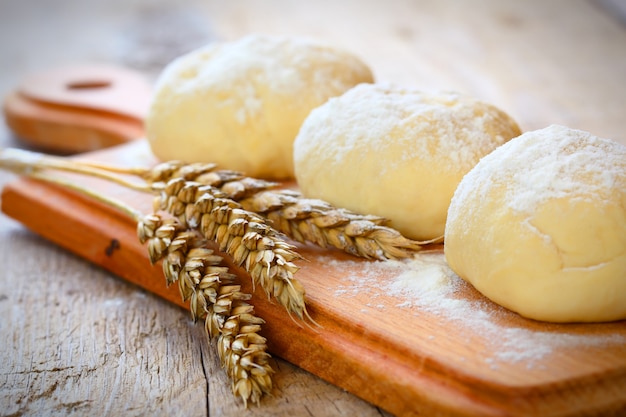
(240, 104)
(395, 152)
(539, 226)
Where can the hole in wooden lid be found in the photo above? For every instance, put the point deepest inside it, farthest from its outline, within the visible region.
(88, 84)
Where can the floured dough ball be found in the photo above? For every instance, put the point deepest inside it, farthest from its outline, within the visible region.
(539, 226)
(396, 153)
(240, 104)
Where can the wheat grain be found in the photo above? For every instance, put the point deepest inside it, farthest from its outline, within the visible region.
(244, 235)
(241, 349)
(234, 184)
(215, 297)
(316, 221)
(302, 219)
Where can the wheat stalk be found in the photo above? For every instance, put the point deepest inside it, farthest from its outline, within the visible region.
(245, 236)
(302, 219)
(212, 290)
(216, 298)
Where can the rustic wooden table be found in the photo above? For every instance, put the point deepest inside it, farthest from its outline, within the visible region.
(78, 340)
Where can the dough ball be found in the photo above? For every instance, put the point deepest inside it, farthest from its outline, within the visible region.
(395, 152)
(240, 104)
(539, 226)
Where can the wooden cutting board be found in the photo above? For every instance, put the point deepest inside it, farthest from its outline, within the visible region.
(78, 108)
(408, 336)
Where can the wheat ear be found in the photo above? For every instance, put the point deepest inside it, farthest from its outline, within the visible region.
(216, 298)
(316, 221)
(242, 234)
(302, 219)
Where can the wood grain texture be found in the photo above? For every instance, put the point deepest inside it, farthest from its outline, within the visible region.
(543, 62)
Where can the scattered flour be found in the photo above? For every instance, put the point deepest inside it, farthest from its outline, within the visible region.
(425, 284)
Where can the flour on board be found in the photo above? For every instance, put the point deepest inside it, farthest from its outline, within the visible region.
(425, 284)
